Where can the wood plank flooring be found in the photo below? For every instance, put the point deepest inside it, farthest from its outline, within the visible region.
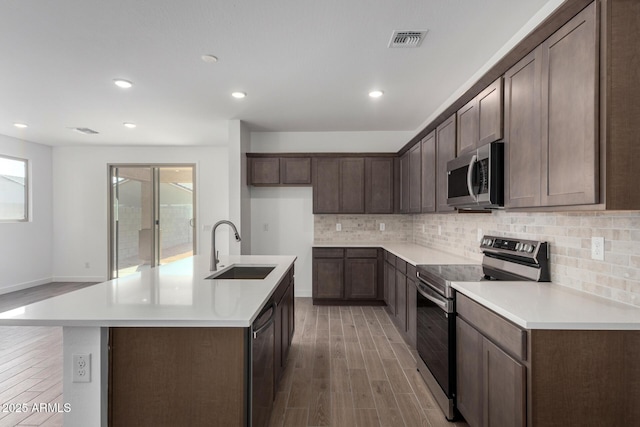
(30, 373)
(38, 293)
(349, 366)
(31, 362)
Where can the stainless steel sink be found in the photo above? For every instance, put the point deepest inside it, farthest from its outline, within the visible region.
(243, 272)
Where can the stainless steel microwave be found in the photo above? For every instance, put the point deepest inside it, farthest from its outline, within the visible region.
(475, 180)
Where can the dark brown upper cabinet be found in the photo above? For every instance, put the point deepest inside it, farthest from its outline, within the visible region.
(326, 185)
(551, 126)
(522, 133)
(379, 182)
(467, 118)
(273, 170)
(445, 151)
(264, 171)
(295, 170)
(490, 113)
(429, 173)
(411, 180)
(352, 185)
(480, 120)
(569, 111)
(404, 183)
(338, 185)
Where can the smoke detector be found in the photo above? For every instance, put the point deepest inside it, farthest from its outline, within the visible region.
(407, 38)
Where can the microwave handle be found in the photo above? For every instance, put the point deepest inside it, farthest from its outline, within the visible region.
(470, 177)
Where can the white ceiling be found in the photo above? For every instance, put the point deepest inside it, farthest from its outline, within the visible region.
(306, 65)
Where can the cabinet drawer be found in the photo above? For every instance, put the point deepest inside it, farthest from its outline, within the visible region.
(328, 253)
(412, 272)
(401, 265)
(504, 333)
(390, 258)
(362, 253)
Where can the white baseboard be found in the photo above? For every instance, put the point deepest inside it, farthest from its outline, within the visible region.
(79, 279)
(25, 285)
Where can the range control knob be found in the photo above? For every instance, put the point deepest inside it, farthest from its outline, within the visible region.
(518, 246)
(531, 248)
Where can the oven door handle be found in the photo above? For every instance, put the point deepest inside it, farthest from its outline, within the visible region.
(444, 303)
(474, 158)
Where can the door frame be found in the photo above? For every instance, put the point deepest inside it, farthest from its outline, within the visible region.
(156, 213)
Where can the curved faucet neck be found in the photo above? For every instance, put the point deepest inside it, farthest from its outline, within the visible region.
(214, 255)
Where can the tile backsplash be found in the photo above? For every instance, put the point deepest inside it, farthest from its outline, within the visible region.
(362, 228)
(569, 235)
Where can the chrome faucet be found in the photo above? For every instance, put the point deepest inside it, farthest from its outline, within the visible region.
(214, 255)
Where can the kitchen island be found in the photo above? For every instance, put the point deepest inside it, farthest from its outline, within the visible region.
(185, 332)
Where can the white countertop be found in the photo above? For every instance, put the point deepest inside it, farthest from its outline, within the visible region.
(175, 294)
(412, 253)
(539, 305)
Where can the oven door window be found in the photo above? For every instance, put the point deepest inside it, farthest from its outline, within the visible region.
(436, 345)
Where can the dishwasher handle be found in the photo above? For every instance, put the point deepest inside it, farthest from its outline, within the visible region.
(268, 323)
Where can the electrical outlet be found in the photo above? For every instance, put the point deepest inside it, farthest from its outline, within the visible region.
(82, 368)
(479, 236)
(338, 227)
(597, 248)
(439, 230)
(382, 227)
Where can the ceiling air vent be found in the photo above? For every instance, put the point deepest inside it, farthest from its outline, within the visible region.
(407, 38)
(86, 131)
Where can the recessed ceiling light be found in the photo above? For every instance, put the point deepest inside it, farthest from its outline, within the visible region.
(20, 125)
(238, 95)
(129, 125)
(209, 58)
(121, 83)
(376, 93)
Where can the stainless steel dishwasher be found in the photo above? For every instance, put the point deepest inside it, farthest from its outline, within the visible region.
(262, 366)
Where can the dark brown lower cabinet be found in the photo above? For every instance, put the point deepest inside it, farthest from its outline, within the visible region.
(361, 276)
(343, 275)
(401, 301)
(390, 284)
(491, 384)
(400, 296)
(284, 324)
(508, 376)
(412, 311)
(169, 376)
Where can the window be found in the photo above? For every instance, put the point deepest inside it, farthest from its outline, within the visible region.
(14, 189)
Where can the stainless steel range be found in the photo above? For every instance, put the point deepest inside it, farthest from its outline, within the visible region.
(504, 259)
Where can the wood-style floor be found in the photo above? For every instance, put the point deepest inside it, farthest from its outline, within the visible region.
(348, 366)
(31, 362)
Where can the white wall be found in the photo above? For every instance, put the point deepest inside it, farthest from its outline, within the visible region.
(288, 212)
(239, 193)
(26, 247)
(332, 142)
(80, 177)
(282, 224)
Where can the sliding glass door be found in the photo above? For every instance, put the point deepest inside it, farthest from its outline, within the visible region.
(152, 216)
